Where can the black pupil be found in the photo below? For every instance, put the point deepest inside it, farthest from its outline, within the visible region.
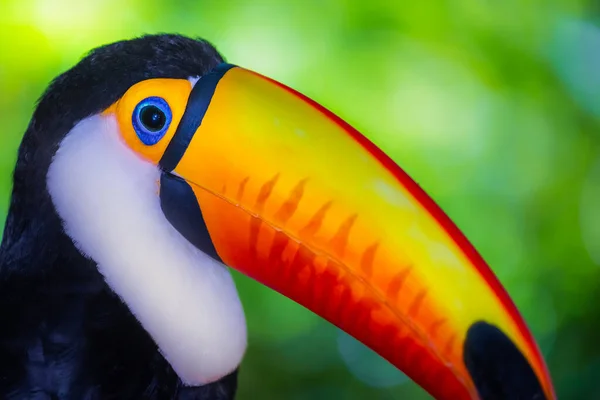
(153, 118)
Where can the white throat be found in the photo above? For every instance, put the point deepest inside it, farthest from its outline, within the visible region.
(108, 200)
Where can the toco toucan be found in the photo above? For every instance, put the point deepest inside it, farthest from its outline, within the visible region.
(153, 165)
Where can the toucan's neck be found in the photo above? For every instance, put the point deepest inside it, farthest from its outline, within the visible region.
(34, 243)
(33, 240)
(54, 302)
(53, 296)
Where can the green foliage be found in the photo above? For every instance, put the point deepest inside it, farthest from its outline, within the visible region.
(491, 106)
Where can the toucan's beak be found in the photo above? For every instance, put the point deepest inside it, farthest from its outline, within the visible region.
(277, 187)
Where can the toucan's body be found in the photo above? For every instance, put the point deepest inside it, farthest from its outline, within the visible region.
(152, 164)
(66, 335)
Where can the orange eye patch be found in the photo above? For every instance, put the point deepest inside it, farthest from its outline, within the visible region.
(148, 114)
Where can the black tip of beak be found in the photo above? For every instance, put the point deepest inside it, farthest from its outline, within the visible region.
(497, 367)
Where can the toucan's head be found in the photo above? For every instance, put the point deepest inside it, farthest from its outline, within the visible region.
(165, 164)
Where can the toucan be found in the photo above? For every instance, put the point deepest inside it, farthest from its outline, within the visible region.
(153, 166)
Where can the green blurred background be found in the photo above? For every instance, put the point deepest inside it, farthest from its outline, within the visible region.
(493, 107)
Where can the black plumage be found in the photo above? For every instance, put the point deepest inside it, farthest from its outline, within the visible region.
(63, 333)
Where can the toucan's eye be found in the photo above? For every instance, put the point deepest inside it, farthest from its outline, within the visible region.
(151, 119)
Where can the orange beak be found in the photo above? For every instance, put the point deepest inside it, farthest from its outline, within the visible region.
(298, 200)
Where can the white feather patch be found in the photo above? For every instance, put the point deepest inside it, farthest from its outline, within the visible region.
(107, 197)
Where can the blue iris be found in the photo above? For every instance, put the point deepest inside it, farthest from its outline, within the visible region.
(151, 119)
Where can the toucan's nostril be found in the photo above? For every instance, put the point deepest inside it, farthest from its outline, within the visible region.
(497, 367)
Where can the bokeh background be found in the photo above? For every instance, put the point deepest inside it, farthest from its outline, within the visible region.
(493, 107)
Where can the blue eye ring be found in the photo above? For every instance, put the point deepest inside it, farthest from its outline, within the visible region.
(151, 119)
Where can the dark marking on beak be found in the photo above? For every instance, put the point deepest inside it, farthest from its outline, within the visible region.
(180, 206)
(499, 370)
(191, 120)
